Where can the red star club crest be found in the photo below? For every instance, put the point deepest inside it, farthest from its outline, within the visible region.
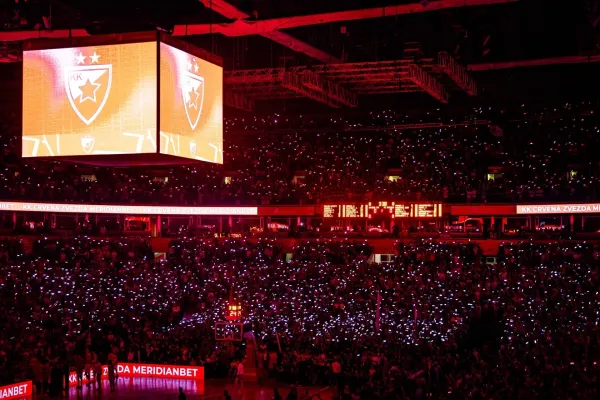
(87, 84)
(87, 142)
(192, 89)
(193, 148)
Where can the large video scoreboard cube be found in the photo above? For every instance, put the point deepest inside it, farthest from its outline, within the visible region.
(128, 99)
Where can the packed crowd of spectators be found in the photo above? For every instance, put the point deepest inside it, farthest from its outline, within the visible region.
(536, 154)
(437, 321)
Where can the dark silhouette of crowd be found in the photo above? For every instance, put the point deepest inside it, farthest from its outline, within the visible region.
(438, 321)
(525, 154)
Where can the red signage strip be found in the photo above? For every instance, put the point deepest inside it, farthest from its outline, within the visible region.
(145, 370)
(535, 209)
(288, 211)
(161, 371)
(126, 209)
(123, 209)
(472, 210)
(73, 377)
(16, 390)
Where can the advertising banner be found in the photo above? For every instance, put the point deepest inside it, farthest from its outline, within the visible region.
(123, 209)
(161, 371)
(534, 209)
(145, 371)
(85, 380)
(16, 390)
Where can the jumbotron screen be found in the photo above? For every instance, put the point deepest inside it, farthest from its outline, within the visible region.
(191, 106)
(90, 100)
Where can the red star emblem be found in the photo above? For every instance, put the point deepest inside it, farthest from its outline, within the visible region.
(88, 91)
(193, 94)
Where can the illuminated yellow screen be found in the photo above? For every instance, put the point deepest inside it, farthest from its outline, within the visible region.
(421, 210)
(191, 106)
(90, 100)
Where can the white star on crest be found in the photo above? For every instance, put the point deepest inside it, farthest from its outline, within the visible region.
(190, 102)
(95, 58)
(189, 66)
(80, 58)
(195, 67)
(85, 95)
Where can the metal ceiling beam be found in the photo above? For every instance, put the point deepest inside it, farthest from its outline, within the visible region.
(385, 87)
(251, 76)
(243, 28)
(301, 47)
(535, 63)
(370, 66)
(276, 95)
(336, 84)
(229, 11)
(375, 77)
(457, 73)
(238, 100)
(319, 91)
(15, 36)
(332, 90)
(428, 83)
(225, 9)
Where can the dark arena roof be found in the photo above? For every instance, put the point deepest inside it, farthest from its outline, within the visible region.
(319, 55)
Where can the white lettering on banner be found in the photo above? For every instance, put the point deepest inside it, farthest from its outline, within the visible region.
(149, 370)
(142, 370)
(123, 369)
(164, 371)
(157, 370)
(46, 207)
(559, 209)
(11, 391)
(126, 209)
(199, 210)
(84, 377)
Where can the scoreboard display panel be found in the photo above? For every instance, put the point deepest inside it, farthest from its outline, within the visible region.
(383, 208)
(191, 106)
(140, 98)
(90, 100)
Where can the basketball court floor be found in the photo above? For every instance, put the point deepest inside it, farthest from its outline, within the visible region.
(159, 388)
